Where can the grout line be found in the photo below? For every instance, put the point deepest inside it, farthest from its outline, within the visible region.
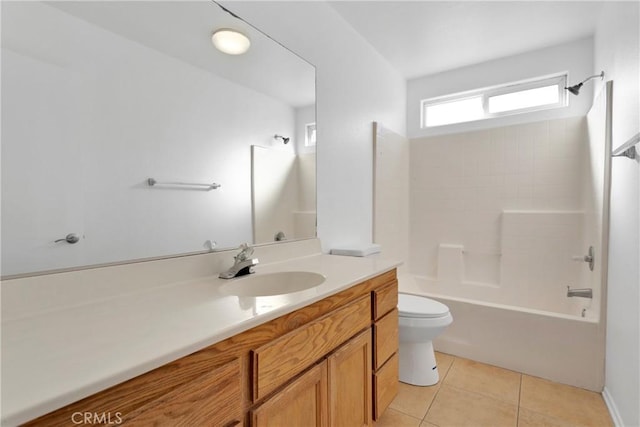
(440, 384)
(519, 397)
(424, 417)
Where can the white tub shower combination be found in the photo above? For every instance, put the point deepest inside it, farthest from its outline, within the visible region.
(558, 346)
(499, 222)
(511, 309)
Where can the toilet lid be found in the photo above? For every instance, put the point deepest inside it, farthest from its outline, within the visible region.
(415, 306)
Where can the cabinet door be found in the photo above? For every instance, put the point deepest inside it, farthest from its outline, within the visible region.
(302, 403)
(350, 383)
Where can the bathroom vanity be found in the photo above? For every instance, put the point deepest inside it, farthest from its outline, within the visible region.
(188, 353)
(333, 362)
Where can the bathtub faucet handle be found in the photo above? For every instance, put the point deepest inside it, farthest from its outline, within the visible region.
(588, 258)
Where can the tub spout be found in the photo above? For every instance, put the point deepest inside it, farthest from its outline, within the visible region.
(584, 293)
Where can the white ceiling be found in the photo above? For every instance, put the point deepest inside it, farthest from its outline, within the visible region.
(182, 29)
(417, 37)
(425, 37)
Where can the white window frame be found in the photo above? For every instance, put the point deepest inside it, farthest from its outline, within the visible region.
(307, 134)
(559, 79)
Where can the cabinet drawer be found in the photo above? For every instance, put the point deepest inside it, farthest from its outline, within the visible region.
(211, 399)
(385, 386)
(385, 299)
(385, 338)
(384, 278)
(283, 358)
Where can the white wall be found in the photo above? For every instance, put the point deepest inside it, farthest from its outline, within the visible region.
(576, 58)
(355, 86)
(106, 100)
(617, 50)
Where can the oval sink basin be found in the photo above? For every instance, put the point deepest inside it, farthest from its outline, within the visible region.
(259, 285)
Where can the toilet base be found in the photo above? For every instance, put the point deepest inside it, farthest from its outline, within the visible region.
(418, 363)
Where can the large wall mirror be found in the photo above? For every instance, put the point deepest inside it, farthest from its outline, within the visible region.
(100, 100)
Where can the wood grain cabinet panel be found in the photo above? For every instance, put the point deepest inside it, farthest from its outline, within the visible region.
(301, 403)
(384, 278)
(211, 400)
(385, 386)
(385, 338)
(350, 389)
(281, 359)
(385, 299)
(122, 400)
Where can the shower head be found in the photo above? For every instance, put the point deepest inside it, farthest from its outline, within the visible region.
(575, 89)
(283, 138)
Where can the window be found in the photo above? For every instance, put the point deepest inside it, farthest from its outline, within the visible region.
(455, 111)
(513, 98)
(310, 134)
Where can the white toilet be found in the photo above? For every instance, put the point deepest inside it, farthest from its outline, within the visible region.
(421, 320)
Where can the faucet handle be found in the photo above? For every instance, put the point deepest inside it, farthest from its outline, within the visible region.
(245, 252)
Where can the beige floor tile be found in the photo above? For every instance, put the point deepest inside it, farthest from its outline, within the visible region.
(527, 418)
(576, 406)
(484, 379)
(454, 407)
(444, 362)
(393, 418)
(426, 424)
(413, 400)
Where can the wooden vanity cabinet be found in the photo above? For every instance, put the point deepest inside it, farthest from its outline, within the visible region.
(332, 363)
(385, 346)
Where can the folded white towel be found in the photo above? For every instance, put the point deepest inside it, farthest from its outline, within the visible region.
(357, 250)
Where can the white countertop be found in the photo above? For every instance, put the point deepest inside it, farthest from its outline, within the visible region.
(56, 357)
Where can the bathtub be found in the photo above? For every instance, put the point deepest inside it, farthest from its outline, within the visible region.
(558, 346)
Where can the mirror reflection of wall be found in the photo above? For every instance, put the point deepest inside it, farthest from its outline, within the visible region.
(100, 96)
(282, 208)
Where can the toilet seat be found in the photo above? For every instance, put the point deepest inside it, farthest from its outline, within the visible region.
(420, 307)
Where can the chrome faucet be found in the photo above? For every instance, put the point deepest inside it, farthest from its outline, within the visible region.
(242, 263)
(584, 293)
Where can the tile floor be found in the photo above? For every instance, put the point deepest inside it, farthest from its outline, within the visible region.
(472, 394)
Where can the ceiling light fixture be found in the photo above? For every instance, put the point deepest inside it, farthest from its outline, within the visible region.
(230, 41)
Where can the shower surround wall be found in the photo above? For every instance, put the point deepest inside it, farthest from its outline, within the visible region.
(496, 215)
(391, 193)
